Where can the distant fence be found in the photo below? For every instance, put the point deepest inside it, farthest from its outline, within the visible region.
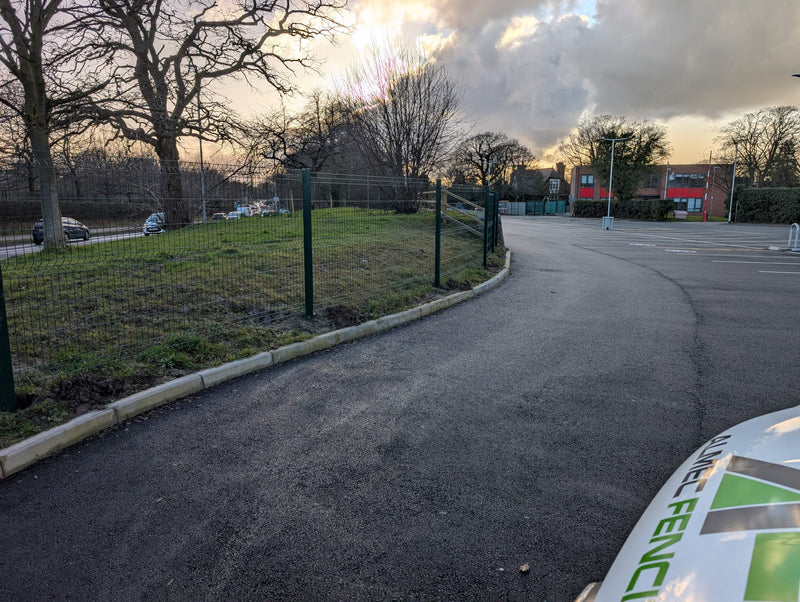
(336, 249)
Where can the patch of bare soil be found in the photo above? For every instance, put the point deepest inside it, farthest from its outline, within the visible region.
(457, 286)
(342, 316)
(85, 392)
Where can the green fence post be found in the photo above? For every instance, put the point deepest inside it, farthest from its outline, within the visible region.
(438, 252)
(308, 263)
(8, 398)
(495, 219)
(487, 226)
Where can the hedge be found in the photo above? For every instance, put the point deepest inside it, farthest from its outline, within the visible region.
(767, 205)
(653, 210)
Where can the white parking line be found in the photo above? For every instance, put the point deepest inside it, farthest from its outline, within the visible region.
(696, 241)
(766, 262)
(771, 272)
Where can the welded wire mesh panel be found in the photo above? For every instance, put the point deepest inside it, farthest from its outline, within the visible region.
(175, 297)
(142, 297)
(370, 238)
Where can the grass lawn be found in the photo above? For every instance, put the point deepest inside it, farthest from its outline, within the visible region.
(105, 320)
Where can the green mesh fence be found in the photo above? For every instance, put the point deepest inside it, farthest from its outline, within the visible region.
(141, 304)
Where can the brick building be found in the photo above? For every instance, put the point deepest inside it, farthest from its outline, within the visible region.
(549, 183)
(682, 183)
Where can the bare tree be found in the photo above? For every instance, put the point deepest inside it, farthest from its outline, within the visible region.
(170, 52)
(764, 141)
(403, 114)
(580, 147)
(15, 146)
(314, 138)
(51, 66)
(490, 157)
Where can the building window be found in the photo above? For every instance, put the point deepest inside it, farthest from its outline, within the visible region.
(652, 180)
(687, 180)
(694, 205)
(587, 180)
(554, 185)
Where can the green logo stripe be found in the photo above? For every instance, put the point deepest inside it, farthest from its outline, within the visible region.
(756, 496)
(773, 569)
(736, 491)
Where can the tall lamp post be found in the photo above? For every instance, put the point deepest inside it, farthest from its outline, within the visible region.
(613, 141)
(733, 178)
(200, 141)
(202, 166)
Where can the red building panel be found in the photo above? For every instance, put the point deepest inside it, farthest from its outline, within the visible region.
(685, 193)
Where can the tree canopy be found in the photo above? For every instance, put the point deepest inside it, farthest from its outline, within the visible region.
(50, 68)
(489, 158)
(765, 143)
(638, 146)
(167, 54)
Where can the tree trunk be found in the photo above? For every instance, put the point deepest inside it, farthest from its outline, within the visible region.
(48, 192)
(176, 213)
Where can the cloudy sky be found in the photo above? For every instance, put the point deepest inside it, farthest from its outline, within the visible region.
(534, 68)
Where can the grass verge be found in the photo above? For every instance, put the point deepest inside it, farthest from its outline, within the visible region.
(105, 320)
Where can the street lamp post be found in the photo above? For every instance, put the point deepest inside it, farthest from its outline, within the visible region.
(202, 166)
(733, 178)
(613, 141)
(711, 193)
(200, 142)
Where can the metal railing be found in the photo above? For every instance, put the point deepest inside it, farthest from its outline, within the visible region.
(794, 237)
(319, 251)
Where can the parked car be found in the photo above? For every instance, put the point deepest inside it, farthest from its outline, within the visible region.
(219, 216)
(73, 230)
(234, 215)
(725, 526)
(154, 224)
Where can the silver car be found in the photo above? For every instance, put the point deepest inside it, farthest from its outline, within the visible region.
(154, 224)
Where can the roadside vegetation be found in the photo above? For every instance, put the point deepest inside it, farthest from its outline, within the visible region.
(126, 315)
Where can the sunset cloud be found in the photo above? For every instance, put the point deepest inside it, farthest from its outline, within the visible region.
(533, 68)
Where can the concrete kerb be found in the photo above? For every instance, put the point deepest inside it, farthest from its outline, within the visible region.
(147, 400)
(25, 453)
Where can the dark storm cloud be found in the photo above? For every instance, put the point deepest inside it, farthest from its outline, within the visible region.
(690, 57)
(642, 58)
(533, 68)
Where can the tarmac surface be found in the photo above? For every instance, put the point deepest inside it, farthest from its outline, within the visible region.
(528, 426)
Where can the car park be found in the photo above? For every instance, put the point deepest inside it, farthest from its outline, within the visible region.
(154, 224)
(73, 230)
(725, 526)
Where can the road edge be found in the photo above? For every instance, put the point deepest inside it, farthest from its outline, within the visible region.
(25, 453)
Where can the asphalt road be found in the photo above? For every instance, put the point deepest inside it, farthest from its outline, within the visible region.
(23, 247)
(528, 426)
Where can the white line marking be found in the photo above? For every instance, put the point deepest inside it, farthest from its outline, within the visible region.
(770, 272)
(678, 251)
(766, 262)
(698, 241)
